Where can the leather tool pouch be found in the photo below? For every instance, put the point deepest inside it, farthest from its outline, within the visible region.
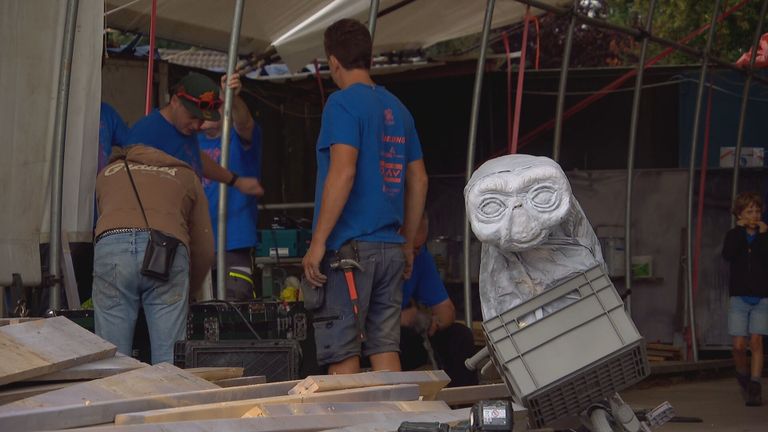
(158, 257)
(348, 251)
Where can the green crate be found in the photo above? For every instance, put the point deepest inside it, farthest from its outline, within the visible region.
(283, 242)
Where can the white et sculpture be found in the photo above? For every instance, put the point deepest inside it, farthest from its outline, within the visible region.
(534, 233)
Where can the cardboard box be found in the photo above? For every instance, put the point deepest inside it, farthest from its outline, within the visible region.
(750, 157)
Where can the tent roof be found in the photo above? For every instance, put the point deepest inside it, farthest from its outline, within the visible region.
(295, 26)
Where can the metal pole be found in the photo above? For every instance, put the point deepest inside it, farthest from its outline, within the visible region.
(59, 137)
(151, 63)
(744, 103)
(221, 244)
(372, 15)
(692, 175)
(563, 83)
(631, 155)
(471, 151)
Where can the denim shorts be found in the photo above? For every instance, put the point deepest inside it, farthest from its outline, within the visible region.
(380, 294)
(745, 319)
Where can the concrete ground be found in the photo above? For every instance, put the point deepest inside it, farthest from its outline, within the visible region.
(716, 401)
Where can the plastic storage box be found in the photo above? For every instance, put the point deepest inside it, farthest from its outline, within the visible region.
(560, 364)
(283, 242)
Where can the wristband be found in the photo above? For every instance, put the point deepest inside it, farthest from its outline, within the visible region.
(232, 181)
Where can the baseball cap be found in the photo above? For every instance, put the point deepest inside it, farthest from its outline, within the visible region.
(200, 95)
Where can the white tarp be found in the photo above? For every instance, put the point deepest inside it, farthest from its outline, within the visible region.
(295, 26)
(30, 43)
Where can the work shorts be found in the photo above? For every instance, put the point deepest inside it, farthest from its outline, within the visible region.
(380, 295)
(745, 319)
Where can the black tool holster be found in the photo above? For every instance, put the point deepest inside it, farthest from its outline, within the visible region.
(348, 250)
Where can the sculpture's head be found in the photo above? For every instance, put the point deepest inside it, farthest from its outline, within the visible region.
(514, 201)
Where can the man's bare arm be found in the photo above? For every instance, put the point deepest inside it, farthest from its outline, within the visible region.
(338, 184)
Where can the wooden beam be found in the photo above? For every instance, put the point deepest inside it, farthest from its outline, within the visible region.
(242, 408)
(13, 321)
(216, 373)
(334, 408)
(430, 382)
(471, 394)
(94, 370)
(235, 382)
(298, 423)
(158, 379)
(14, 392)
(94, 411)
(43, 346)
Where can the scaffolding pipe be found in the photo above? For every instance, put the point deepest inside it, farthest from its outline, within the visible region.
(221, 244)
(562, 86)
(691, 179)
(631, 155)
(744, 103)
(372, 16)
(59, 138)
(151, 62)
(471, 151)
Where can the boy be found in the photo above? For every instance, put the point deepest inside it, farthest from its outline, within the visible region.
(746, 249)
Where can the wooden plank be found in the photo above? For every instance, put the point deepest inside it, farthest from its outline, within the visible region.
(94, 411)
(146, 381)
(14, 392)
(216, 373)
(663, 347)
(471, 394)
(333, 408)
(12, 321)
(43, 346)
(211, 411)
(235, 382)
(430, 382)
(68, 270)
(298, 423)
(94, 370)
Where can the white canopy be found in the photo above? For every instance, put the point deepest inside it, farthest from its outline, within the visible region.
(295, 27)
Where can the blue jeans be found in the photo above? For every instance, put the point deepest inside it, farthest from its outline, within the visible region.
(119, 289)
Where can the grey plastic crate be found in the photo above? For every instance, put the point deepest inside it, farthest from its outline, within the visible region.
(577, 355)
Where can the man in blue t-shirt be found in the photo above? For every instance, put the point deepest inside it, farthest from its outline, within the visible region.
(371, 181)
(173, 129)
(242, 209)
(451, 342)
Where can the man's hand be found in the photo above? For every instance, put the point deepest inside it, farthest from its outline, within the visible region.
(408, 252)
(234, 84)
(434, 326)
(249, 186)
(762, 226)
(311, 264)
(741, 222)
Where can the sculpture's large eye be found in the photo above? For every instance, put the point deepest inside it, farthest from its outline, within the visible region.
(543, 197)
(492, 207)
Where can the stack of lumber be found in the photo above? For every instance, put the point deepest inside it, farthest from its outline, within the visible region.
(79, 382)
(659, 352)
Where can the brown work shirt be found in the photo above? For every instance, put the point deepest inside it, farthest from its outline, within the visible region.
(173, 201)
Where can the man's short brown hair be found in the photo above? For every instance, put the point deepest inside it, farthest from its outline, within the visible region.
(350, 42)
(744, 200)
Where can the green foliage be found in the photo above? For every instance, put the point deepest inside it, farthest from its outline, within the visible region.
(674, 19)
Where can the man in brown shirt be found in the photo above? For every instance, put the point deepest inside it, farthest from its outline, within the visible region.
(175, 204)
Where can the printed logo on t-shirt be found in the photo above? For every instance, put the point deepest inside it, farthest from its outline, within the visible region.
(389, 118)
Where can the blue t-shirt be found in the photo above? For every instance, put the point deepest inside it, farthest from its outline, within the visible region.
(242, 210)
(155, 131)
(372, 120)
(424, 285)
(112, 132)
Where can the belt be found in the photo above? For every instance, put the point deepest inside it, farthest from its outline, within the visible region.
(114, 231)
